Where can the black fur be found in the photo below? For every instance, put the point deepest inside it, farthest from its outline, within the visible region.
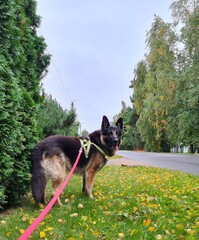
(57, 152)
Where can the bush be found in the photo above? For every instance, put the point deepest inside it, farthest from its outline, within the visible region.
(22, 64)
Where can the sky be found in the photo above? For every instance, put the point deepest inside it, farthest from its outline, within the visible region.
(95, 47)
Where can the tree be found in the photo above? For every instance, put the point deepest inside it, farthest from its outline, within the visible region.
(166, 83)
(154, 79)
(131, 137)
(186, 14)
(84, 133)
(138, 84)
(53, 119)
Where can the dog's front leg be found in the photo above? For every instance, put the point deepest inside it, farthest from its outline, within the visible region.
(88, 179)
(84, 182)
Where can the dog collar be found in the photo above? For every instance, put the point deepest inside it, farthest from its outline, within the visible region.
(86, 145)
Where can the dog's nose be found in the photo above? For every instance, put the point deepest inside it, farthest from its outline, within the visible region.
(115, 141)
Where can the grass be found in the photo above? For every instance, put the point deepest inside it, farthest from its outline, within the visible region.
(114, 157)
(130, 203)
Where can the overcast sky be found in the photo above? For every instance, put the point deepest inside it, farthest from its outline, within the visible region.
(95, 46)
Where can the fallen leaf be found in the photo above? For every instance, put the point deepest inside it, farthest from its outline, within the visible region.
(84, 218)
(80, 205)
(42, 234)
(60, 220)
(74, 215)
(121, 235)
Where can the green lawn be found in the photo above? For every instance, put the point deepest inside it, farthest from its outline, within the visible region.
(130, 203)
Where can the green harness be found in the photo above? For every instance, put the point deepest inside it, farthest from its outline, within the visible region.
(86, 145)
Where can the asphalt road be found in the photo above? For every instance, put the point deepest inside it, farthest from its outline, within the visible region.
(182, 162)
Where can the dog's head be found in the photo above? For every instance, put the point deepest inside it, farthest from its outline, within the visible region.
(111, 134)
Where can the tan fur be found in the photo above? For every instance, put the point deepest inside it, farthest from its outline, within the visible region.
(55, 170)
(95, 164)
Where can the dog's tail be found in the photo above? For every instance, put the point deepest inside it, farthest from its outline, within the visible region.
(38, 182)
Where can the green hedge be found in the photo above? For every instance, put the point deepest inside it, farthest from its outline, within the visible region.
(22, 63)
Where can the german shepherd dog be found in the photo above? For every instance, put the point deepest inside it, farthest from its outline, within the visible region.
(54, 155)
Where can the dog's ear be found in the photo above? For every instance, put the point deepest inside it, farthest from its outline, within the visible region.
(119, 124)
(105, 123)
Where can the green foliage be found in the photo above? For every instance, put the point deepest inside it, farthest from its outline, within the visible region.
(54, 120)
(166, 82)
(188, 78)
(131, 138)
(158, 86)
(22, 64)
(84, 132)
(139, 86)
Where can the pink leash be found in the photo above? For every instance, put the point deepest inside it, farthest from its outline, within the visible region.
(32, 227)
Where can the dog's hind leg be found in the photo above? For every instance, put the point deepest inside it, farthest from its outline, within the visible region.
(55, 168)
(39, 179)
(38, 186)
(56, 184)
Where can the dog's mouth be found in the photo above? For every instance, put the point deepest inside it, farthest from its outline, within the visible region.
(115, 146)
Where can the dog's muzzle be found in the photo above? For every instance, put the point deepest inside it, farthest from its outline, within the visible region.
(115, 144)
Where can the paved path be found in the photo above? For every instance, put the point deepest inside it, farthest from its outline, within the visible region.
(181, 162)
